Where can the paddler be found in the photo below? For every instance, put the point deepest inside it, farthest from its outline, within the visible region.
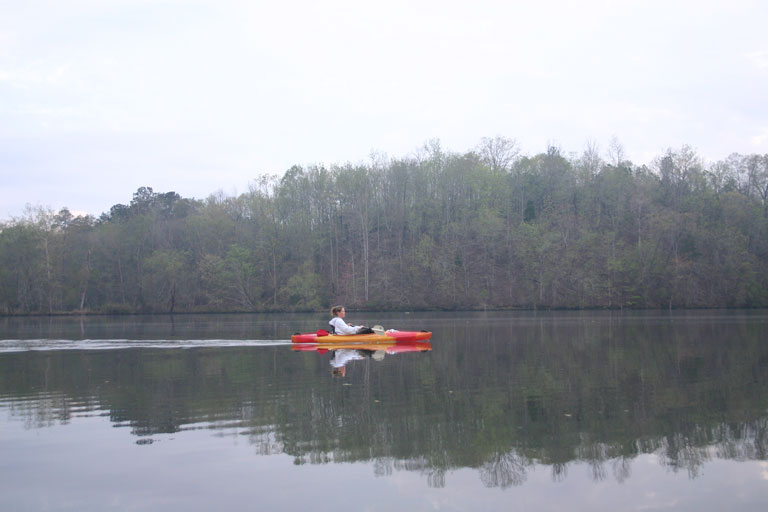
(340, 327)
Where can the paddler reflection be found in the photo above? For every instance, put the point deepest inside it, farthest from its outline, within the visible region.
(343, 354)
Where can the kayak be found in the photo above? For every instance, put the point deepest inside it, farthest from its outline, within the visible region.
(388, 336)
(390, 347)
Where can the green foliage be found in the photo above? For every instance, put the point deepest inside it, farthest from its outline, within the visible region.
(164, 274)
(304, 289)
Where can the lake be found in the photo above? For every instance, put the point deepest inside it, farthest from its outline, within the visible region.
(508, 410)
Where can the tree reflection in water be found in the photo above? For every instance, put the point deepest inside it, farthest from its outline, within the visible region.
(486, 402)
(505, 470)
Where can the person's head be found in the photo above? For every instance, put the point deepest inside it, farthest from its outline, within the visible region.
(338, 311)
(341, 371)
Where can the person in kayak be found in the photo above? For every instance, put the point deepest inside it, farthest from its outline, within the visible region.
(340, 327)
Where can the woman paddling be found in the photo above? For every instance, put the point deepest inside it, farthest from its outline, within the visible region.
(340, 327)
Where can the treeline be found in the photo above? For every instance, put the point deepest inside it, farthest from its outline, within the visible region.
(482, 229)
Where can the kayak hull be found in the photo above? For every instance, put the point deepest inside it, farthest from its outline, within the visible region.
(390, 347)
(387, 337)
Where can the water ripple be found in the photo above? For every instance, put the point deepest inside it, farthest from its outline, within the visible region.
(23, 345)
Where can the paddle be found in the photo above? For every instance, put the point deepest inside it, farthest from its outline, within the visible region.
(378, 329)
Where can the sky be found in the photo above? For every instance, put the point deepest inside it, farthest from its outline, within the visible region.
(101, 97)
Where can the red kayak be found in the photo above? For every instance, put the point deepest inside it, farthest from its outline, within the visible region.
(390, 347)
(389, 336)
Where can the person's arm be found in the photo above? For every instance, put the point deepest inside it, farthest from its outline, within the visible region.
(342, 328)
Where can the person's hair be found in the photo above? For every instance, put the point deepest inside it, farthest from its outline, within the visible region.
(335, 310)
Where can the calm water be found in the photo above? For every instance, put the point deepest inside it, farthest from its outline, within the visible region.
(512, 411)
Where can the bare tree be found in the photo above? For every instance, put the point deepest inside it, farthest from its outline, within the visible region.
(757, 171)
(590, 159)
(498, 152)
(616, 153)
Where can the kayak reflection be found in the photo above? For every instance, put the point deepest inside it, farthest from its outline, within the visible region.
(343, 353)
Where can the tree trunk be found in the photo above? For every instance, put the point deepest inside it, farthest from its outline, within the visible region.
(364, 228)
(85, 279)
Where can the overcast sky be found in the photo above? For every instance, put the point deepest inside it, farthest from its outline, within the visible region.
(100, 97)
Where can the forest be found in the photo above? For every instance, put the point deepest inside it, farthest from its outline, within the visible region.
(485, 229)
